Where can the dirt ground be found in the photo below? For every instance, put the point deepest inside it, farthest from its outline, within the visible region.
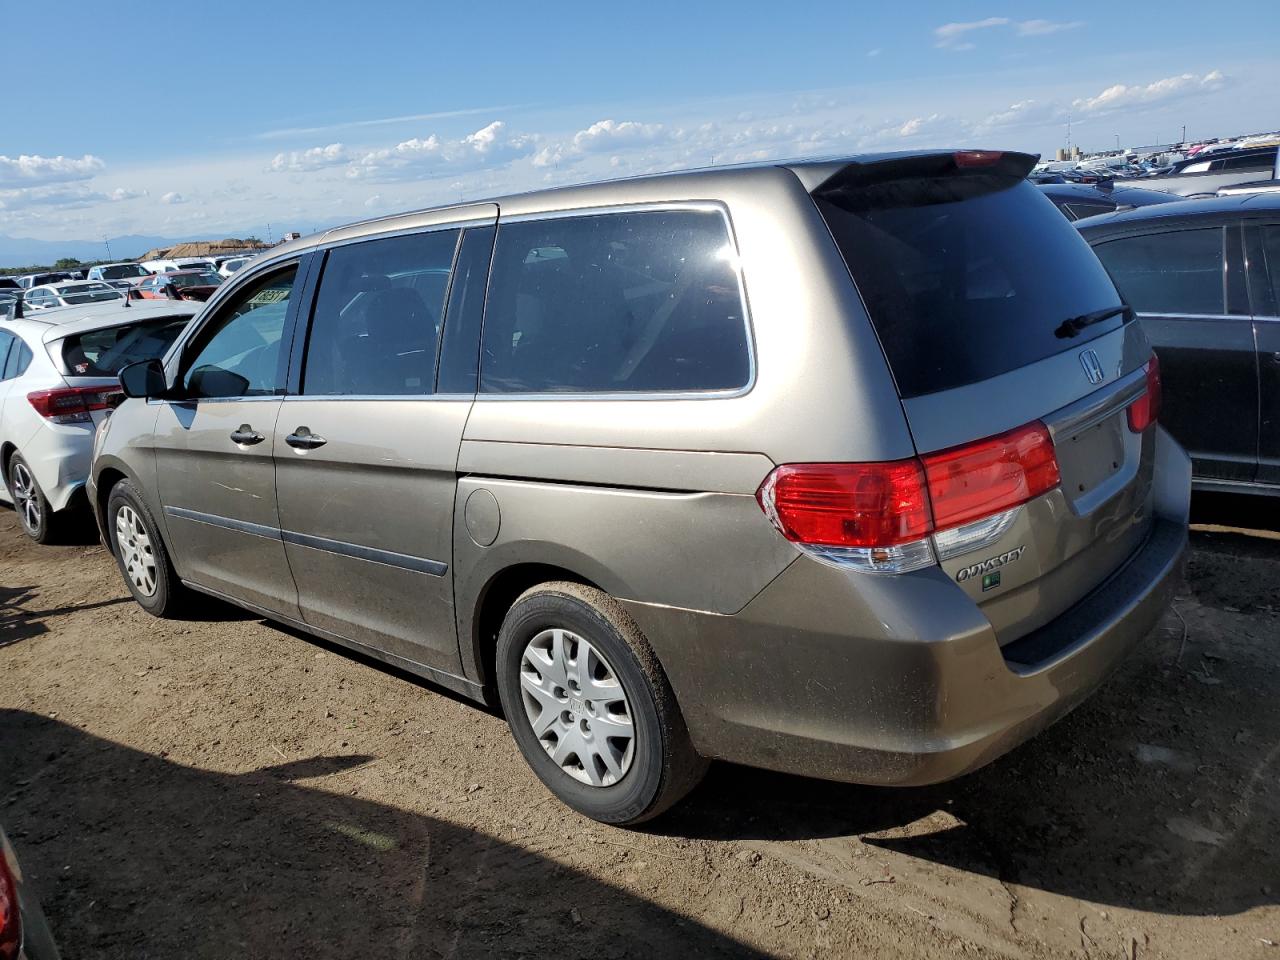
(223, 787)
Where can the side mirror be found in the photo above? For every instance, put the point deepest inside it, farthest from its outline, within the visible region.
(143, 379)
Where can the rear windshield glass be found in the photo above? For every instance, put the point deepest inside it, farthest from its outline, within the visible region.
(101, 353)
(960, 290)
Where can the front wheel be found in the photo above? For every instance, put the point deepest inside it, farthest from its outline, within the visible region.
(589, 705)
(140, 553)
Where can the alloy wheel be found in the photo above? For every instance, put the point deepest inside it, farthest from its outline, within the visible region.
(577, 707)
(26, 498)
(136, 553)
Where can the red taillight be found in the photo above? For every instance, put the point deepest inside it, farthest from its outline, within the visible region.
(895, 506)
(1144, 411)
(977, 158)
(10, 919)
(848, 504)
(72, 404)
(979, 479)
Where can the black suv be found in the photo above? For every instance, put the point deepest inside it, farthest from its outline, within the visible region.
(1204, 276)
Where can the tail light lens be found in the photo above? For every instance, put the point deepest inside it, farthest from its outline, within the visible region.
(881, 517)
(978, 158)
(979, 479)
(848, 504)
(73, 404)
(10, 918)
(1144, 411)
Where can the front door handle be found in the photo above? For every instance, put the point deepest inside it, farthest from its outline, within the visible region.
(304, 439)
(246, 435)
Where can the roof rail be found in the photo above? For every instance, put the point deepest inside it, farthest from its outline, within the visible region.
(13, 309)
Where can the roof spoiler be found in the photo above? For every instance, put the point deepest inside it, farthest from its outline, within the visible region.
(997, 168)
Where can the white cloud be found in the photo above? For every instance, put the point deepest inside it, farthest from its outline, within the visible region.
(373, 201)
(1040, 28)
(955, 36)
(317, 158)
(27, 170)
(378, 122)
(173, 197)
(414, 158)
(874, 53)
(1170, 88)
(122, 193)
(951, 35)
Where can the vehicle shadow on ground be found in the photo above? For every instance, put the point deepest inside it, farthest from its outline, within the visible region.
(19, 622)
(135, 855)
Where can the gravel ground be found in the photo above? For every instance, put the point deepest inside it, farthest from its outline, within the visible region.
(223, 787)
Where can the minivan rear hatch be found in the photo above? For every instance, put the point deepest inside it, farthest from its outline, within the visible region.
(995, 316)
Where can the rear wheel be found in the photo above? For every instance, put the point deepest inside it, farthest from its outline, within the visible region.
(39, 522)
(589, 705)
(140, 553)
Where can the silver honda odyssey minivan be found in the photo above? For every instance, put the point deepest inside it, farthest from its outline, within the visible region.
(846, 468)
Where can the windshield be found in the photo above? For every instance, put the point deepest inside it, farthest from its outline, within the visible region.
(102, 353)
(195, 279)
(122, 271)
(963, 288)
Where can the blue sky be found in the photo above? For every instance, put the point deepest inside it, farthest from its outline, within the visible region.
(225, 117)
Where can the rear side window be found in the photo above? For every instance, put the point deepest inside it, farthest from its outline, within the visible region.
(102, 353)
(962, 285)
(376, 323)
(1176, 272)
(18, 361)
(1271, 244)
(6, 343)
(615, 303)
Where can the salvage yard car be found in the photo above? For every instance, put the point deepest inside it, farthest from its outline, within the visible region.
(58, 372)
(1204, 276)
(70, 293)
(178, 285)
(845, 468)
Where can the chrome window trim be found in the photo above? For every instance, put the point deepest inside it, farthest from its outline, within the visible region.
(275, 397)
(657, 206)
(1194, 316)
(1266, 319)
(380, 397)
(470, 222)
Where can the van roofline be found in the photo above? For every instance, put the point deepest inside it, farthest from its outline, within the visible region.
(812, 172)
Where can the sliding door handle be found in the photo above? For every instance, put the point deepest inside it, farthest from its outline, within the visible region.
(304, 439)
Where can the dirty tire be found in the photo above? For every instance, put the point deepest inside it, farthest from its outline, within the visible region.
(664, 766)
(170, 596)
(39, 522)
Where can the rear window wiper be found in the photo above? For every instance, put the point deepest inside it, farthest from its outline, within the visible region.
(1073, 325)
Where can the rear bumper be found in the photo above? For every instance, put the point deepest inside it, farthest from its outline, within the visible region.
(923, 693)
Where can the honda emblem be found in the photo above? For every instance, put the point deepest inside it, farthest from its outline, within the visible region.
(1092, 366)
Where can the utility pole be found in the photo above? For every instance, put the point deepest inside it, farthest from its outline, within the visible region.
(107, 244)
(1117, 143)
(1184, 134)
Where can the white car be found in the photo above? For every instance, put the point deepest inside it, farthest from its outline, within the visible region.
(122, 276)
(72, 293)
(229, 266)
(57, 381)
